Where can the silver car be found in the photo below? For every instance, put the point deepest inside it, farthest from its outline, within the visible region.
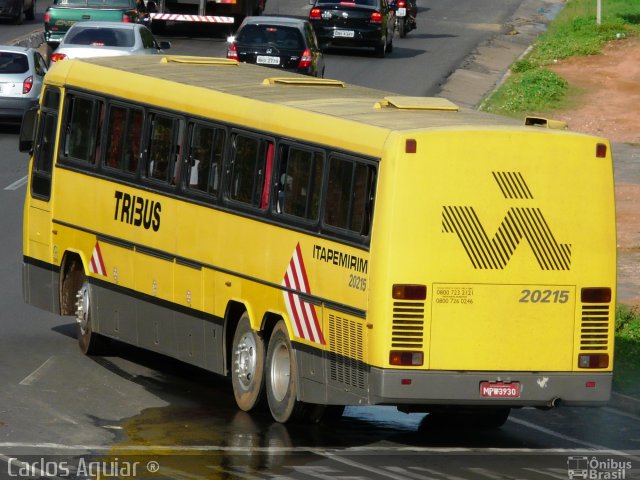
(21, 73)
(107, 39)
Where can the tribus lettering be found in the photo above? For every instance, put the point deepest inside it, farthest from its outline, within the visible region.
(137, 211)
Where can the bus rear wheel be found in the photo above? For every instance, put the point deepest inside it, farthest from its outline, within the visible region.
(90, 342)
(247, 367)
(281, 379)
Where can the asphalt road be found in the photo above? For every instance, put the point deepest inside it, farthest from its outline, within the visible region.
(60, 411)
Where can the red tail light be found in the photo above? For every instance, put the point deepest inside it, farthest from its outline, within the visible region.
(126, 18)
(306, 59)
(47, 17)
(376, 17)
(232, 52)
(56, 57)
(27, 85)
(401, 4)
(315, 14)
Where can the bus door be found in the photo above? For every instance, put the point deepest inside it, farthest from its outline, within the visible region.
(38, 213)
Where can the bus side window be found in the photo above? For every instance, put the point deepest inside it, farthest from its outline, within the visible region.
(250, 170)
(133, 142)
(115, 131)
(163, 149)
(299, 179)
(205, 158)
(349, 200)
(82, 131)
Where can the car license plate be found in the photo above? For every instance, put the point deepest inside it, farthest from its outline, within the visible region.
(344, 33)
(401, 12)
(500, 389)
(268, 60)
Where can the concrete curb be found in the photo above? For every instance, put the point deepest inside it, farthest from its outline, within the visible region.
(31, 40)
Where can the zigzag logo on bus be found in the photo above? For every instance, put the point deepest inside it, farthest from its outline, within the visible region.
(303, 314)
(519, 223)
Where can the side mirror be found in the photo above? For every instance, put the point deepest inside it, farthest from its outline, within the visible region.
(28, 129)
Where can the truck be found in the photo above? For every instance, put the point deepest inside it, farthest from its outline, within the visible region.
(226, 12)
(59, 17)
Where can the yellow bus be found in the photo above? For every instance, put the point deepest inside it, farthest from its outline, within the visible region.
(322, 244)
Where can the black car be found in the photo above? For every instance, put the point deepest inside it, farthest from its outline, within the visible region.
(279, 42)
(353, 23)
(14, 10)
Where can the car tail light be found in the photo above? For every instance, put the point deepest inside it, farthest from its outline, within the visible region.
(126, 18)
(27, 85)
(56, 57)
(47, 17)
(315, 14)
(232, 52)
(401, 4)
(376, 17)
(306, 59)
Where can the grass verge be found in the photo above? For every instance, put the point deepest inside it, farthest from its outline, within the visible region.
(532, 88)
(626, 368)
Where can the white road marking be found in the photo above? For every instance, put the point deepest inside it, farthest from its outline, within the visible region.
(37, 373)
(17, 184)
(571, 439)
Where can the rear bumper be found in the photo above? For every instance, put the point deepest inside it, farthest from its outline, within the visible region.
(371, 37)
(13, 108)
(537, 389)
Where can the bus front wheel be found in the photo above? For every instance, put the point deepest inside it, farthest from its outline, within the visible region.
(247, 365)
(90, 342)
(282, 377)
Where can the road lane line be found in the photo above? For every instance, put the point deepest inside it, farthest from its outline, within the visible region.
(571, 439)
(17, 184)
(37, 373)
(168, 449)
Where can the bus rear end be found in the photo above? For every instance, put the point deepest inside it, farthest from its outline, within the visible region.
(493, 270)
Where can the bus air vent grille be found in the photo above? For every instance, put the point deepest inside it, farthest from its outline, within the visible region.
(594, 329)
(346, 352)
(408, 325)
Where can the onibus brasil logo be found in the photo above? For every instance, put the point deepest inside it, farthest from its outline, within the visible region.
(597, 469)
(519, 223)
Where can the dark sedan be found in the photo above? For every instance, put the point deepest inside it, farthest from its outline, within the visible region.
(356, 23)
(279, 42)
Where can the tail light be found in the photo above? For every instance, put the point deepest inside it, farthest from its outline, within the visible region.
(315, 14)
(47, 17)
(306, 59)
(401, 4)
(406, 358)
(232, 52)
(409, 292)
(56, 57)
(27, 85)
(376, 17)
(126, 18)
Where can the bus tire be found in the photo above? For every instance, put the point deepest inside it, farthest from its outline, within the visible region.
(247, 365)
(281, 378)
(90, 342)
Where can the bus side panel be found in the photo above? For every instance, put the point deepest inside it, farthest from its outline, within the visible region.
(40, 285)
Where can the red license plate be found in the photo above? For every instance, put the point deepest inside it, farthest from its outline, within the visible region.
(500, 389)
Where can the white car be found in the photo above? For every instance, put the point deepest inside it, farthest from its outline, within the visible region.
(107, 39)
(21, 73)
